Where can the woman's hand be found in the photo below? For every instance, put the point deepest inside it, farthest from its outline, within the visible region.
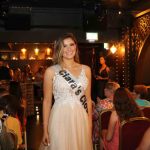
(46, 140)
(99, 78)
(98, 100)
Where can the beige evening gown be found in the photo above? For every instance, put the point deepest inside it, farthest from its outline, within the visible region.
(68, 123)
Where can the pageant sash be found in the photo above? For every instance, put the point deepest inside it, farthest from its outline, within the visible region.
(77, 89)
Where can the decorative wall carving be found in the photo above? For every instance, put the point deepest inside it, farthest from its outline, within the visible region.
(134, 39)
(142, 31)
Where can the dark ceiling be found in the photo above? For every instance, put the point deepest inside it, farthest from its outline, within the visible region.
(125, 4)
(96, 5)
(92, 14)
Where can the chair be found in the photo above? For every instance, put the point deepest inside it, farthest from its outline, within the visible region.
(146, 111)
(104, 117)
(132, 131)
(15, 139)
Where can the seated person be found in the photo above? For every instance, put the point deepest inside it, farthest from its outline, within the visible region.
(39, 74)
(109, 91)
(20, 103)
(11, 122)
(125, 108)
(145, 143)
(140, 94)
(106, 103)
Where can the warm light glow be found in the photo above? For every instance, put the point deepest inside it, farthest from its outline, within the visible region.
(23, 50)
(33, 78)
(106, 46)
(37, 108)
(14, 58)
(119, 12)
(36, 51)
(49, 58)
(32, 58)
(37, 119)
(48, 51)
(113, 49)
(123, 49)
(4, 57)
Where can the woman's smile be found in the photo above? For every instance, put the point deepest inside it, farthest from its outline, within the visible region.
(69, 49)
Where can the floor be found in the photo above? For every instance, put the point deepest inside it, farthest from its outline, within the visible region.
(35, 128)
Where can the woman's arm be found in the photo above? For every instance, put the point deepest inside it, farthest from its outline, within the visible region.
(145, 143)
(111, 127)
(47, 102)
(88, 96)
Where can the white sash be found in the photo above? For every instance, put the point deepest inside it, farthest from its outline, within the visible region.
(76, 88)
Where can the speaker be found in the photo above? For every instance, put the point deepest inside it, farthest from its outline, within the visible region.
(18, 22)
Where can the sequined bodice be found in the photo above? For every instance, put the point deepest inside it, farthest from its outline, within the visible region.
(62, 91)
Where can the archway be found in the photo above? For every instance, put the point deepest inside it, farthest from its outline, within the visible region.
(143, 65)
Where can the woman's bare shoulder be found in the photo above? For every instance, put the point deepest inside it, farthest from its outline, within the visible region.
(114, 115)
(107, 69)
(50, 71)
(87, 68)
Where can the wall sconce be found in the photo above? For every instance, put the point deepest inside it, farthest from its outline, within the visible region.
(113, 49)
(23, 50)
(23, 53)
(36, 51)
(48, 51)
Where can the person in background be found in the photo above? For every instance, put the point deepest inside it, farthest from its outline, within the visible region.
(38, 83)
(125, 108)
(39, 74)
(5, 73)
(140, 94)
(102, 77)
(17, 75)
(5, 76)
(109, 91)
(19, 105)
(11, 72)
(106, 103)
(27, 74)
(12, 123)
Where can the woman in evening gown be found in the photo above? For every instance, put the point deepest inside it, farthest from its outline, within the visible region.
(68, 123)
(102, 78)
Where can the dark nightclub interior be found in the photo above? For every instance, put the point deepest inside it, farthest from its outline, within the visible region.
(118, 30)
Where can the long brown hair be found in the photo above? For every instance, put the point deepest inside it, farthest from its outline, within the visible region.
(141, 90)
(58, 48)
(125, 105)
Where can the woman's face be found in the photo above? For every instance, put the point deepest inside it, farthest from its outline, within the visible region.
(102, 60)
(69, 49)
(108, 93)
